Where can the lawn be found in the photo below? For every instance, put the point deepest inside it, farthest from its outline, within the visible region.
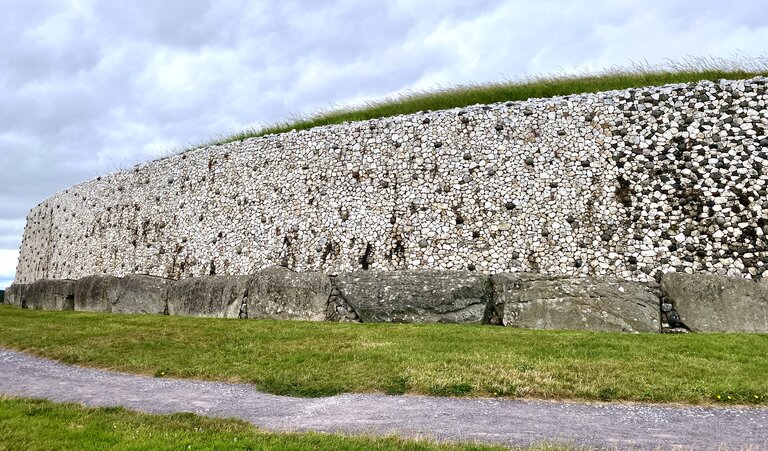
(691, 69)
(37, 424)
(320, 359)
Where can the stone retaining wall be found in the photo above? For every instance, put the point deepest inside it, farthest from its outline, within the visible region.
(630, 184)
(682, 303)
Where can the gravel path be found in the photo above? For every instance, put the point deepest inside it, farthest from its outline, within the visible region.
(506, 422)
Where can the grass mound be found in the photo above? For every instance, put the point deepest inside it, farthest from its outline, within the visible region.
(691, 69)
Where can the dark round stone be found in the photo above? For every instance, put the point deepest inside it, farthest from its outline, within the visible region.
(467, 156)
(471, 267)
(720, 221)
(510, 205)
(673, 319)
(529, 161)
(475, 234)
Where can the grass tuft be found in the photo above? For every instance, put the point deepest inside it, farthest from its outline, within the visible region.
(635, 75)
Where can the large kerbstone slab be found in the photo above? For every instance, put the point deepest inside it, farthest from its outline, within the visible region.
(712, 303)
(210, 296)
(416, 296)
(51, 294)
(15, 294)
(130, 294)
(279, 293)
(538, 301)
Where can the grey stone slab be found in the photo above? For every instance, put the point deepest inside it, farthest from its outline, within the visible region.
(51, 294)
(130, 294)
(95, 293)
(417, 296)
(538, 301)
(15, 294)
(279, 293)
(714, 303)
(209, 296)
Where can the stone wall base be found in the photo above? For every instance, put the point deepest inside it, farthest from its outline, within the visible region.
(681, 303)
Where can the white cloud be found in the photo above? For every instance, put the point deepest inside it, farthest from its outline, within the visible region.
(8, 259)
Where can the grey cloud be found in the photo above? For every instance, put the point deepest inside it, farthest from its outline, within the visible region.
(10, 233)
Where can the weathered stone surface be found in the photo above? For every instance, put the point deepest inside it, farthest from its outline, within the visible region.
(211, 296)
(95, 293)
(15, 294)
(51, 294)
(418, 296)
(279, 293)
(130, 294)
(712, 303)
(579, 303)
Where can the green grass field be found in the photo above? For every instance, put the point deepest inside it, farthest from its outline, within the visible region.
(691, 69)
(35, 424)
(320, 359)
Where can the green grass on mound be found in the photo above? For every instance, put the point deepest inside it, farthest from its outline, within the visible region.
(692, 69)
(319, 359)
(35, 424)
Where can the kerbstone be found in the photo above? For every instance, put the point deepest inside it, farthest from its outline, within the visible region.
(130, 294)
(417, 296)
(538, 301)
(15, 294)
(51, 294)
(714, 303)
(209, 296)
(279, 293)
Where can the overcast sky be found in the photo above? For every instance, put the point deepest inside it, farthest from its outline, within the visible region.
(89, 87)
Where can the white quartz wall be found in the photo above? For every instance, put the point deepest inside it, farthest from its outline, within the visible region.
(630, 183)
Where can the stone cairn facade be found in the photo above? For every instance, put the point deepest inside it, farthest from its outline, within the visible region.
(630, 184)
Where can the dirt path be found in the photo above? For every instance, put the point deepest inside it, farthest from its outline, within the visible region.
(506, 422)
